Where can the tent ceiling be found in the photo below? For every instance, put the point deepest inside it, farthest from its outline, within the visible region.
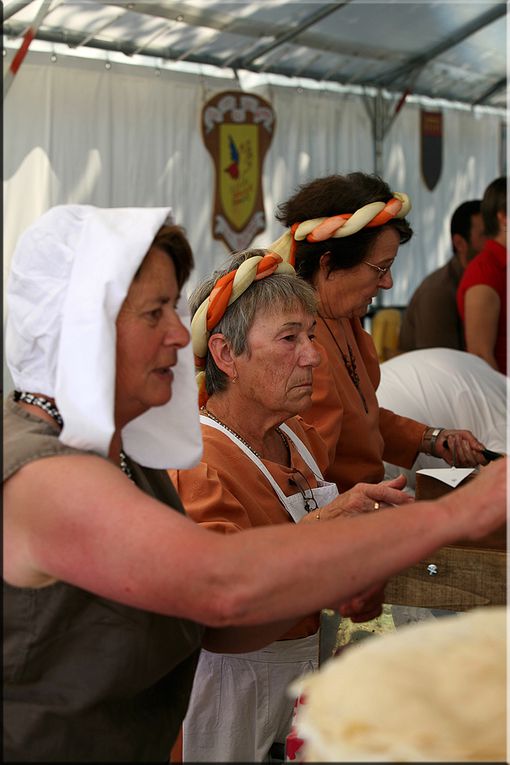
(450, 50)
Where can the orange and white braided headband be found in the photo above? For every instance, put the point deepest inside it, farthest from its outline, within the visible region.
(337, 226)
(227, 289)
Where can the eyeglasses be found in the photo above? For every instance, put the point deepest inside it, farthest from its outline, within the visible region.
(309, 500)
(382, 271)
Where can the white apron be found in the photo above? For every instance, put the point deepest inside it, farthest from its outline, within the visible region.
(239, 705)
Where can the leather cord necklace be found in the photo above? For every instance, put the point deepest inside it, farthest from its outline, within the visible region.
(235, 433)
(349, 363)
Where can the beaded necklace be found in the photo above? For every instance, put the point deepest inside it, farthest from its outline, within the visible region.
(231, 430)
(124, 465)
(51, 409)
(349, 363)
(42, 403)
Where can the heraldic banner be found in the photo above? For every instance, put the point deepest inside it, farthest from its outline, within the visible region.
(431, 147)
(237, 129)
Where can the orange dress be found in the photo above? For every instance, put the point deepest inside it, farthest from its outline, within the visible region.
(227, 493)
(359, 434)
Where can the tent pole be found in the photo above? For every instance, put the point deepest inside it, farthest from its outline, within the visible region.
(27, 39)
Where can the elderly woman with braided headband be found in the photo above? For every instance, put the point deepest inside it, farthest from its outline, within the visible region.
(253, 338)
(105, 578)
(343, 237)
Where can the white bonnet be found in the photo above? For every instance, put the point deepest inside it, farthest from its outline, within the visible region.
(70, 273)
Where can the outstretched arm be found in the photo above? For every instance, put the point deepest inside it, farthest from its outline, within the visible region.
(79, 520)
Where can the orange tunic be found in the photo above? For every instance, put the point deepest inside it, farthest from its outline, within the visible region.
(357, 440)
(226, 492)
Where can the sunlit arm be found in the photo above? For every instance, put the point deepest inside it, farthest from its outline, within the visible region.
(482, 306)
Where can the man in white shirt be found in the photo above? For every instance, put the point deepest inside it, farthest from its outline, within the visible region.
(449, 388)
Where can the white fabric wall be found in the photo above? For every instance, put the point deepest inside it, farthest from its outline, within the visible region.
(76, 132)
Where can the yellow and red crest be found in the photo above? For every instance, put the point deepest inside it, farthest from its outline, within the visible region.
(238, 129)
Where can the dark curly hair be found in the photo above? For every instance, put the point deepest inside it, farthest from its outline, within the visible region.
(333, 195)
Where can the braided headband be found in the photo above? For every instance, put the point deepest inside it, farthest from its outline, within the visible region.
(226, 290)
(337, 226)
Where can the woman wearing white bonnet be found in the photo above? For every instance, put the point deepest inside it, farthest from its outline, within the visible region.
(105, 579)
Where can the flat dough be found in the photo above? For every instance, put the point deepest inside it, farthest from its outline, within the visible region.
(434, 691)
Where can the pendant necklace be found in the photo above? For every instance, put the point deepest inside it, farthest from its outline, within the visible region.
(349, 363)
(231, 430)
(51, 409)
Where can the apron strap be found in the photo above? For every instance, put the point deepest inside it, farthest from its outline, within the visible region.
(303, 451)
(263, 469)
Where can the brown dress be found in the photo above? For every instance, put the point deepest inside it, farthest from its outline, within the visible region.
(227, 493)
(359, 434)
(87, 679)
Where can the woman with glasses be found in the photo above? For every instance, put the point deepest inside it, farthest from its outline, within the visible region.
(253, 331)
(343, 237)
(105, 579)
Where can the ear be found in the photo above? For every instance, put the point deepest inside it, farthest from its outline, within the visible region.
(324, 262)
(502, 220)
(460, 245)
(220, 350)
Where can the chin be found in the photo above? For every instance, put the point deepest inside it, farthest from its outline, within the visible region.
(302, 404)
(164, 399)
(360, 312)
(159, 399)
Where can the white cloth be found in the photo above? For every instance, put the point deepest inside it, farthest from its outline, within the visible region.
(449, 389)
(70, 274)
(239, 704)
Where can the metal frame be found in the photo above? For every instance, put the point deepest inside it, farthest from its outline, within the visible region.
(400, 80)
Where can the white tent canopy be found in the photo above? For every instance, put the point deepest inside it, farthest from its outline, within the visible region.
(451, 49)
(105, 124)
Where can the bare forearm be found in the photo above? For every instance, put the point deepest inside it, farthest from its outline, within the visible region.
(328, 563)
(482, 308)
(146, 556)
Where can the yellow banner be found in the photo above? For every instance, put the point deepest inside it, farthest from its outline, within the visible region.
(239, 168)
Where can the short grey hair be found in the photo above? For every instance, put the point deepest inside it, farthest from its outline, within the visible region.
(277, 292)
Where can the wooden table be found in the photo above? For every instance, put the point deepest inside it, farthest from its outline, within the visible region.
(457, 577)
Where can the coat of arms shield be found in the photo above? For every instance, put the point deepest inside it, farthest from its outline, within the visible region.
(237, 128)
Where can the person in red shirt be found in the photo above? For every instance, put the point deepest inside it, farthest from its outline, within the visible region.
(481, 296)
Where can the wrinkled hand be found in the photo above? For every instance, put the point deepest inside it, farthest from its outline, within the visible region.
(363, 497)
(459, 448)
(365, 606)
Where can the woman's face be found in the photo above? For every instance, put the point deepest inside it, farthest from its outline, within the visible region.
(349, 292)
(276, 371)
(149, 334)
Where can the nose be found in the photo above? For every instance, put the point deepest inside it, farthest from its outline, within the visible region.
(310, 356)
(175, 332)
(386, 283)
